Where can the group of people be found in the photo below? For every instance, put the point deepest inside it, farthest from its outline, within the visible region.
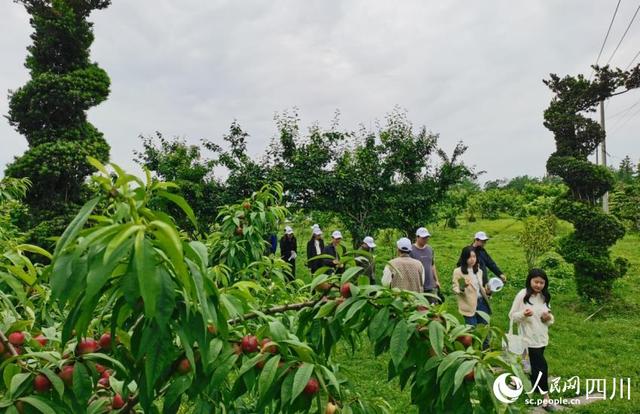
(414, 269)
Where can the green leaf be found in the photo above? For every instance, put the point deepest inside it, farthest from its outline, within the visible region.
(177, 388)
(9, 372)
(349, 273)
(97, 165)
(222, 371)
(98, 406)
(278, 331)
(304, 351)
(378, 324)
(199, 251)
(55, 380)
(82, 387)
(201, 293)
(249, 363)
(15, 285)
(166, 302)
(326, 309)
(353, 309)
(463, 370)
(170, 243)
(436, 336)
(40, 404)
(127, 231)
(148, 278)
(267, 376)
(317, 280)
(16, 381)
(399, 342)
(157, 358)
(34, 249)
(332, 378)
(450, 360)
(98, 356)
(285, 389)
(215, 346)
(182, 203)
(300, 380)
(100, 271)
(75, 226)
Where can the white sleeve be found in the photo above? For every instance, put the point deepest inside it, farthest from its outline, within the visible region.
(422, 275)
(386, 276)
(517, 307)
(552, 320)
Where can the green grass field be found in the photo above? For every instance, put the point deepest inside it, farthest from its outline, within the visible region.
(603, 346)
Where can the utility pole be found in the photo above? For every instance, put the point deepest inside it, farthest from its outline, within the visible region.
(603, 155)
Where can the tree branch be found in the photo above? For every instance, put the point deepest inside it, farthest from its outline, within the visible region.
(620, 93)
(8, 344)
(274, 310)
(132, 402)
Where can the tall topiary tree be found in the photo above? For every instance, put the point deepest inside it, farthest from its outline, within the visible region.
(577, 136)
(50, 110)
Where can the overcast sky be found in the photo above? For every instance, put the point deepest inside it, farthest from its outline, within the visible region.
(470, 71)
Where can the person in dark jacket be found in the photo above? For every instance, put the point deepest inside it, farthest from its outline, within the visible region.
(315, 247)
(368, 262)
(334, 250)
(484, 259)
(288, 251)
(272, 239)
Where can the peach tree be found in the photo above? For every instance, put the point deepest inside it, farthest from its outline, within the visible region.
(133, 316)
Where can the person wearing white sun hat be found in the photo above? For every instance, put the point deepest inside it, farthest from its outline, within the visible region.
(367, 263)
(423, 252)
(288, 251)
(335, 250)
(404, 272)
(315, 246)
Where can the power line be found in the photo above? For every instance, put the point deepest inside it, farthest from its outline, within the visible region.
(604, 42)
(624, 34)
(633, 60)
(626, 121)
(627, 109)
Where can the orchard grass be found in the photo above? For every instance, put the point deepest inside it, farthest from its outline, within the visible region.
(605, 346)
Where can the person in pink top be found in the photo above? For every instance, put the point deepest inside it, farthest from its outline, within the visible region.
(531, 311)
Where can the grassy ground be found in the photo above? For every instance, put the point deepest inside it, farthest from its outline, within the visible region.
(606, 345)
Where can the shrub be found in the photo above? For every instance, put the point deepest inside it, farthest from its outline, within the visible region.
(537, 237)
(559, 271)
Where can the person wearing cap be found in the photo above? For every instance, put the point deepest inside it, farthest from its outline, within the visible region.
(404, 272)
(423, 252)
(484, 259)
(315, 246)
(367, 263)
(288, 251)
(335, 250)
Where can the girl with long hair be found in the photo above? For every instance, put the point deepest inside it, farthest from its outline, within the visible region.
(531, 310)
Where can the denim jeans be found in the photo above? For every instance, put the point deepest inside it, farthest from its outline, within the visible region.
(476, 319)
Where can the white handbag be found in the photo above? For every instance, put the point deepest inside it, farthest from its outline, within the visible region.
(515, 342)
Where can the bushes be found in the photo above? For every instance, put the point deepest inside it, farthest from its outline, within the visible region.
(559, 271)
(537, 237)
(624, 203)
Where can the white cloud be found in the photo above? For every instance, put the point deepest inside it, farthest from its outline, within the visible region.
(470, 71)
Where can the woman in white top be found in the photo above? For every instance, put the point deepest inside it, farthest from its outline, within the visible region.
(531, 311)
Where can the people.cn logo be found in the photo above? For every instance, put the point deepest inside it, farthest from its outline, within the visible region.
(507, 393)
